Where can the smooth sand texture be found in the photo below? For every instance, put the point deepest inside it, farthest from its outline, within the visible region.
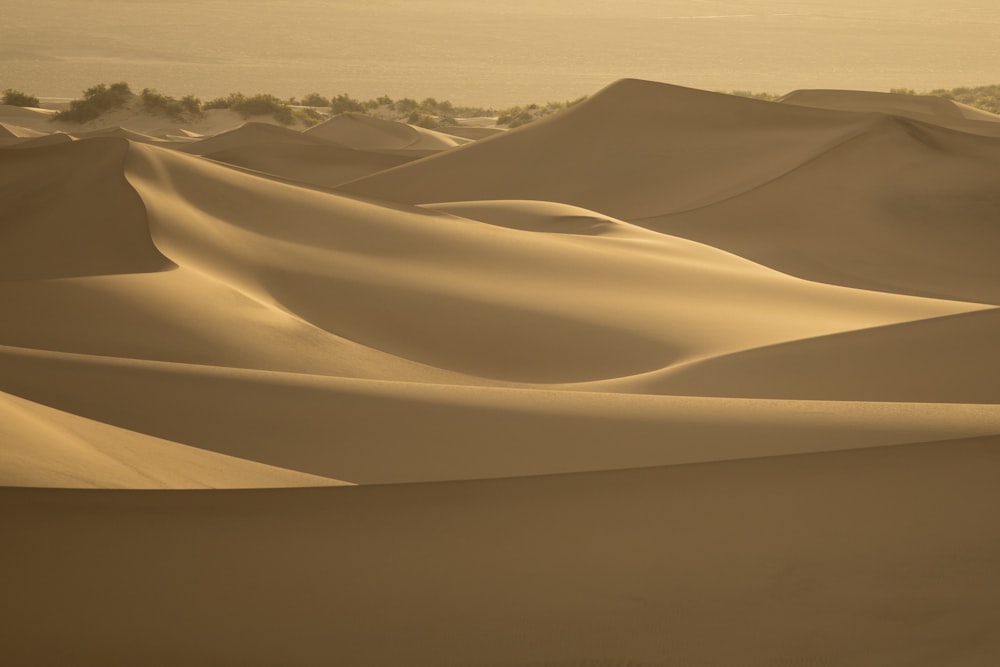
(44, 447)
(294, 155)
(366, 133)
(870, 557)
(866, 200)
(937, 110)
(671, 378)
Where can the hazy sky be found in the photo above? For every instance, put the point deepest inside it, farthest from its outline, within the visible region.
(494, 52)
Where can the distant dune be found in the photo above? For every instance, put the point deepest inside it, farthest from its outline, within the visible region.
(668, 378)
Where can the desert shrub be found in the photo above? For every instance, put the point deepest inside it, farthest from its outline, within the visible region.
(315, 100)
(515, 117)
(769, 97)
(18, 99)
(518, 116)
(986, 98)
(982, 97)
(264, 104)
(219, 102)
(96, 101)
(155, 103)
(261, 104)
(307, 116)
(343, 103)
(421, 120)
(406, 105)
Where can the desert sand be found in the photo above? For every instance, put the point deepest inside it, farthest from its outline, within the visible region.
(669, 378)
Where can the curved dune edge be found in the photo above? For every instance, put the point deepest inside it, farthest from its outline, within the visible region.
(656, 299)
(944, 359)
(862, 199)
(45, 447)
(367, 133)
(337, 427)
(936, 110)
(595, 413)
(166, 274)
(869, 557)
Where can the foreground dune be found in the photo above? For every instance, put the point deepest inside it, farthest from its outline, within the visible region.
(671, 378)
(869, 557)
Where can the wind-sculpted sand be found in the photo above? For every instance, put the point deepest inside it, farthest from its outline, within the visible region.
(670, 378)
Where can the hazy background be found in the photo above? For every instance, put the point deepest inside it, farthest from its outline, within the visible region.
(493, 53)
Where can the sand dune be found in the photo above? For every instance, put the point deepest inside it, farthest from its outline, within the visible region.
(11, 131)
(633, 150)
(33, 142)
(336, 427)
(367, 133)
(936, 110)
(947, 359)
(294, 155)
(875, 557)
(908, 210)
(44, 447)
(670, 378)
(686, 299)
(67, 210)
(24, 115)
(864, 200)
(120, 132)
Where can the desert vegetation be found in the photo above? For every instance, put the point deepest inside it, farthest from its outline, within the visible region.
(769, 97)
(256, 105)
(96, 101)
(986, 98)
(18, 99)
(517, 116)
(429, 112)
(155, 103)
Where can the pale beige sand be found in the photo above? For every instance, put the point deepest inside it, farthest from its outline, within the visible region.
(643, 383)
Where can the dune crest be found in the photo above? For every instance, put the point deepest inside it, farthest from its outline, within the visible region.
(863, 200)
(67, 210)
(367, 133)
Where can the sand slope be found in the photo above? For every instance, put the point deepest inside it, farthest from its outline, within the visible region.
(337, 427)
(491, 323)
(44, 447)
(936, 110)
(947, 359)
(672, 378)
(634, 149)
(870, 558)
(368, 133)
(859, 199)
(291, 154)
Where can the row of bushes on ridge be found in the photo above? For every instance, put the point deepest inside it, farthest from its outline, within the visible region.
(429, 112)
